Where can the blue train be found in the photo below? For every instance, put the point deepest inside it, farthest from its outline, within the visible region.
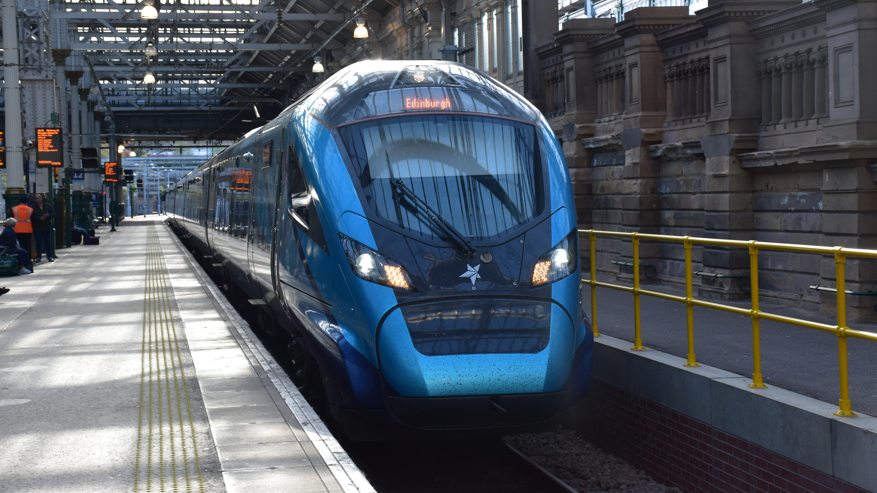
(411, 224)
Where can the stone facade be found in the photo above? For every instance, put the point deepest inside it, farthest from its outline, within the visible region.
(747, 120)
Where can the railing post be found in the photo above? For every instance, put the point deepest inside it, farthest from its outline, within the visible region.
(637, 338)
(839, 262)
(593, 238)
(689, 308)
(757, 380)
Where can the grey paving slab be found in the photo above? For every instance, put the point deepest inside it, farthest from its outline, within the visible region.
(297, 479)
(225, 416)
(237, 398)
(252, 434)
(225, 384)
(263, 456)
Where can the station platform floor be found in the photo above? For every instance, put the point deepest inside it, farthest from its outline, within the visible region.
(122, 368)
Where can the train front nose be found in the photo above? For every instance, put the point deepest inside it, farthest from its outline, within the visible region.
(476, 362)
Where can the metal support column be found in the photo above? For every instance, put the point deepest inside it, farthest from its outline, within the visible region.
(12, 100)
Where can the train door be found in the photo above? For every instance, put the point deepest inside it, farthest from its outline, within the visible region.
(264, 207)
(250, 206)
(283, 142)
(210, 180)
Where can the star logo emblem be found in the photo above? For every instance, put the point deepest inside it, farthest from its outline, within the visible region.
(472, 273)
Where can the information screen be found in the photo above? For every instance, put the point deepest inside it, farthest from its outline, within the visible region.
(2, 139)
(111, 171)
(49, 148)
(2, 158)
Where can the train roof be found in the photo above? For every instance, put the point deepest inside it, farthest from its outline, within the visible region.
(376, 88)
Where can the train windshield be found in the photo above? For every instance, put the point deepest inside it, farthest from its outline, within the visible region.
(481, 174)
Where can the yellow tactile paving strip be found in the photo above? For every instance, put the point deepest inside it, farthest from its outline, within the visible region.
(167, 454)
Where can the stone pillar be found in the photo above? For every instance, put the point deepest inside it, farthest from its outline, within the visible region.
(776, 84)
(678, 92)
(798, 87)
(600, 95)
(809, 87)
(699, 101)
(684, 70)
(707, 102)
(693, 88)
(788, 65)
(821, 84)
(610, 91)
(668, 82)
(764, 72)
(727, 205)
(619, 91)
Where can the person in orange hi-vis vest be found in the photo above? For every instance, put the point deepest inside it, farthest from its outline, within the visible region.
(23, 226)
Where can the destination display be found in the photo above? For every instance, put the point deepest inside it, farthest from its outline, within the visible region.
(111, 170)
(49, 148)
(2, 157)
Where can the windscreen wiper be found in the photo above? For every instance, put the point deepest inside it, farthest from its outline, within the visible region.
(434, 216)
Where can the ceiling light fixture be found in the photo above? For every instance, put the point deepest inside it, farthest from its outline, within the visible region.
(149, 78)
(361, 32)
(318, 65)
(150, 50)
(149, 12)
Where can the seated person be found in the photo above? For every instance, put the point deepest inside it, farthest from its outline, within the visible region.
(82, 231)
(7, 239)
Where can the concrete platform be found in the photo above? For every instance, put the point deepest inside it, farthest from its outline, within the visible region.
(123, 369)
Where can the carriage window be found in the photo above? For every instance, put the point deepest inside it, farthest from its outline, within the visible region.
(266, 153)
(298, 189)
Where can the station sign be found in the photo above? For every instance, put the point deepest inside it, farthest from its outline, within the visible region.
(50, 148)
(77, 175)
(111, 172)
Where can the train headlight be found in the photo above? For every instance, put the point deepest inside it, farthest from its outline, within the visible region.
(558, 263)
(370, 265)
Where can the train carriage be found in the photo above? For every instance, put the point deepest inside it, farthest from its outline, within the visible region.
(411, 224)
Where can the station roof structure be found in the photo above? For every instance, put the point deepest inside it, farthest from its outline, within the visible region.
(220, 66)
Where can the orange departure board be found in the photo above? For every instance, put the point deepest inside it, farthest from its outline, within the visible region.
(2, 157)
(111, 172)
(49, 148)
(2, 139)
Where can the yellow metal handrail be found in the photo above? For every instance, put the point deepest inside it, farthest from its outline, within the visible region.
(841, 330)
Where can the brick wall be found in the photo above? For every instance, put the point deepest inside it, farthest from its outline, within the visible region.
(680, 451)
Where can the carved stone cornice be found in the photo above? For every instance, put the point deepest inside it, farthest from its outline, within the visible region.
(827, 5)
(604, 44)
(685, 33)
(740, 11)
(786, 20)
